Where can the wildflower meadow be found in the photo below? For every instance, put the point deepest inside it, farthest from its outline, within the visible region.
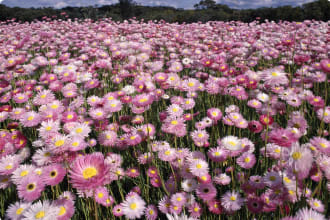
(155, 120)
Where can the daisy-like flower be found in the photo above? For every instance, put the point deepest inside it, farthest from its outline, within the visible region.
(108, 138)
(81, 129)
(133, 207)
(206, 192)
(178, 199)
(22, 171)
(60, 144)
(272, 179)
(222, 179)
(174, 110)
(53, 174)
(246, 160)
(88, 172)
(48, 128)
(307, 214)
(30, 119)
(15, 211)
(17, 113)
(30, 187)
(168, 154)
(151, 212)
(231, 143)
(44, 97)
(321, 145)
(65, 208)
(101, 194)
(255, 204)
(199, 137)
(217, 154)
(77, 143)
(21, 98)
(316, 205)
(232, 201)
(324, 114)
(42, 157)
(178, 217)
(274, 76)
(142, 100)
(97, 113)
(257, 182)
(9, 164)
(214, 113)
(282, 137)
(300, 160)
(198, 167)
(113, 106)
(189, 185)
(41, 210)
(190, 85)
(118, 210)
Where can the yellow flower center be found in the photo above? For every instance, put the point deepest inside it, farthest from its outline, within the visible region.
(75, 144)
(24, 173)
(62, 211)
(233, 198)
(30, 118)
(89, 172)
(191, 84)
(48, 128)
(133, 206)
(59, 143)
(198, 166)
(174, 122)
(323, 145)
(69, 116)
(100, 195)
(232, 143)
(247, 159)
(19, 211)
(8, 167)
(40, 214)
(296, 155)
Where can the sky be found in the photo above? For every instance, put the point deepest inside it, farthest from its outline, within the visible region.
(186, 4)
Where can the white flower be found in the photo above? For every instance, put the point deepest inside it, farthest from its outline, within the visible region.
(231, 143)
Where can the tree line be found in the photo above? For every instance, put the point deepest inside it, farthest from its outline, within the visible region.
(205, 10)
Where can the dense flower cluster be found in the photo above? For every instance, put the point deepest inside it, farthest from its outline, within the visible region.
(157, 119)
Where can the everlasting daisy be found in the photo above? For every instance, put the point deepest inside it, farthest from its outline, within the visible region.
(65, 208)
(133, 207)
(30, 187)
(9, 164)
(151, 212)
(42, 210)
(53, 174)
(206, 192)
(88, 172)
(232, 201)
(307, 214)
(189, 185)
(198, 167)
(15, 211)
(30, 119)
(231, 143)
(246, 160)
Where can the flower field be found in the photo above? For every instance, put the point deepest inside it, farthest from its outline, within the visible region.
(154, 120)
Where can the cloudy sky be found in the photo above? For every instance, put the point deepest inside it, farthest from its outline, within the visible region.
(186, 4)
